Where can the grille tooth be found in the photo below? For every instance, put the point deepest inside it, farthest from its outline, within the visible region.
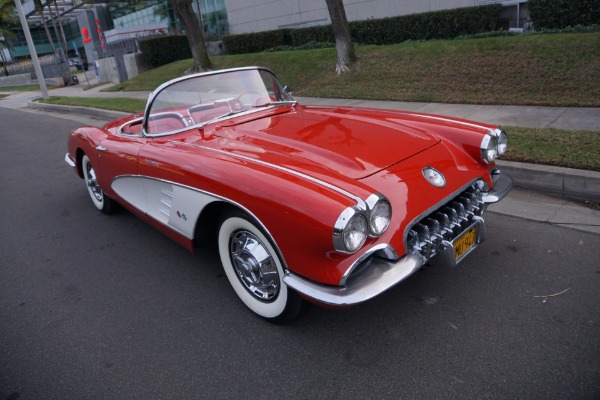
(475, 202)
(424, 239)
(435, 234)
(445, 223)
(468, 206)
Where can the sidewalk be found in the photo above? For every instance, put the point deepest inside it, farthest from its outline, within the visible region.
(562, 183)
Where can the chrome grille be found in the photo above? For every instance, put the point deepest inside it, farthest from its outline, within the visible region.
(445, 223)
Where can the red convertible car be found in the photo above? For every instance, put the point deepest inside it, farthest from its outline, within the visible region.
(327, 204)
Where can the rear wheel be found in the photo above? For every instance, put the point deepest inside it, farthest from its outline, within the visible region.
(254, 269)
(100, 200)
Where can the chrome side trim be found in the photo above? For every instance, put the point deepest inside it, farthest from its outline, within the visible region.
(380, 276)
(360, 203)
(464, 123)
(502, 184)
(70, 161)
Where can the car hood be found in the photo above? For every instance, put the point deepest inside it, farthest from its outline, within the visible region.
(353, 142)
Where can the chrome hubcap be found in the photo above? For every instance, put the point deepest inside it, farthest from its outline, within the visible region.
(254, 265)
(92, 183)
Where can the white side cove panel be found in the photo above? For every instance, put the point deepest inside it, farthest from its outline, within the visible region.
(173, 205)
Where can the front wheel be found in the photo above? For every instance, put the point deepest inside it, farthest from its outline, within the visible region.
(100, 200)
(255, 271)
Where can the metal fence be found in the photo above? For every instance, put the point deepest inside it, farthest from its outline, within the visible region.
(53, 66)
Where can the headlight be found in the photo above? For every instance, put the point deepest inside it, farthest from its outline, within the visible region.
(356, 224)
(380, 214)
(489, 148)
(493, 145)
(355, 233)
(351, 230)
(502, 141)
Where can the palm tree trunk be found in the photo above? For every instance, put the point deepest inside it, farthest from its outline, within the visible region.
(54, 26)
(64, 39)
(39, 7)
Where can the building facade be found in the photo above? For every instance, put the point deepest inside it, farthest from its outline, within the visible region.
(90, 28)
(263, 15)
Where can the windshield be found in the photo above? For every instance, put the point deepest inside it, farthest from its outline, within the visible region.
(205, 98)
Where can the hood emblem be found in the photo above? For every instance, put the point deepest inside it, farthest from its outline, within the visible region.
(434, 177)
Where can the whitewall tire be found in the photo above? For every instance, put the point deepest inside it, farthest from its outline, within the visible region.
(100, 200)
(255, 270)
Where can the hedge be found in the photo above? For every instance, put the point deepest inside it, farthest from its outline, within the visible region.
(162, 50)
(558, 14)
(445, 24)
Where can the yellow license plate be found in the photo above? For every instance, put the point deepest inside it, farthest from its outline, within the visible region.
(464, 243)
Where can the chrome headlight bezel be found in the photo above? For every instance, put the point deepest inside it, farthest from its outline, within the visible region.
(357, 223)
(352, 222)
(502, 141)
(380, 214)
(493, 145)
(489, 148)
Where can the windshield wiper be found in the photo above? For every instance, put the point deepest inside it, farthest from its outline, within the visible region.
(278, 103)
(215, 119)
(227, 114)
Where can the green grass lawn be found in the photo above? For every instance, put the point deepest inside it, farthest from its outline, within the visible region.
(551, 69)
(559, 147)
(21, 88)
(116, 104)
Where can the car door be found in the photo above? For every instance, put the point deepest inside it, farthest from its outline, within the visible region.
(118, 158)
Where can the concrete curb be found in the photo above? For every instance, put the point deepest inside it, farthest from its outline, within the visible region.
(88, 111)
(558, 181)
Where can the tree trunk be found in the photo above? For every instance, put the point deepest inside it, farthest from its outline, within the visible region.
(341, 32)
(194, 32)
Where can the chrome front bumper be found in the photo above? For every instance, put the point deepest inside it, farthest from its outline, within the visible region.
(70, 160)
(376, 279)
(382, 273)
(502, 185)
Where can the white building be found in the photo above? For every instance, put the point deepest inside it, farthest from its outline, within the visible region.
(263, 15)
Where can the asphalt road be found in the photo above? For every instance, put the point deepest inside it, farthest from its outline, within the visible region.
(105, 307)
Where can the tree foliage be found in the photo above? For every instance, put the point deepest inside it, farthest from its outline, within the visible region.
(7, 19)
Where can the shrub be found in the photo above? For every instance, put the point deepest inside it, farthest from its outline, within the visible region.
(558, 14)
(255, 42)
(445, 24)
(162, 50)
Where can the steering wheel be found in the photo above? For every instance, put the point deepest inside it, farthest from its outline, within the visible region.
(249, 93)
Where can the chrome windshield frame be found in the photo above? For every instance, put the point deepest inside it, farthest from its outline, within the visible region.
(152, 97)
